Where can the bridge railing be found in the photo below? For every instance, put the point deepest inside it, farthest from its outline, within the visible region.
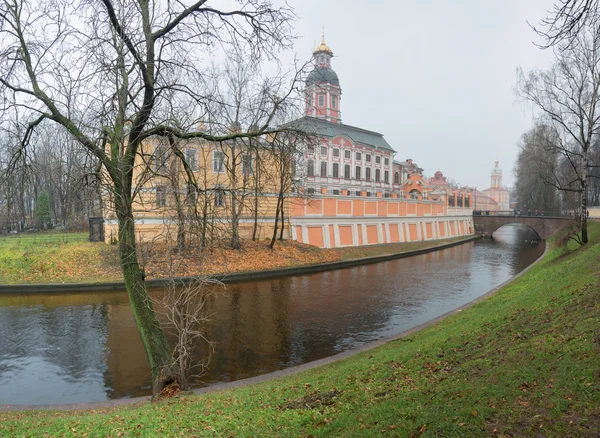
(521, 213)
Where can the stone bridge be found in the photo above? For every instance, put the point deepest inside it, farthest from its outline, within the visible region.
(544, 226)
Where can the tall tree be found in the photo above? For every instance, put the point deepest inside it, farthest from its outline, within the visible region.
(107, 72)
(568, 96)
(535, 181)
(43, 217)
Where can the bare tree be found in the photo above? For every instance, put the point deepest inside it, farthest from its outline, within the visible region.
(566, 20)
(101, 71)
(568, 96)
(536, 171)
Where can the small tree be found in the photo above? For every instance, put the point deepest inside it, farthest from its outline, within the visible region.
(43, 218)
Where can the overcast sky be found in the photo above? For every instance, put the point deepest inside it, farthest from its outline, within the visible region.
(435, 77)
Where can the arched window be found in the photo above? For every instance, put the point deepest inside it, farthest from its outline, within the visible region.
(396, 178)
(311, 168)
(414, 194)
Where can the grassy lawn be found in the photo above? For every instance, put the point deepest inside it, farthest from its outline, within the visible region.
(524, 362)
(55, 258)
(71, 258)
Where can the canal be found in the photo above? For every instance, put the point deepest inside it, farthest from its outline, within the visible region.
(83, 347)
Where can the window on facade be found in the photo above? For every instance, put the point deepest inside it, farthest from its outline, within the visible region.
(467, 201)
(161, 195)
(324, 169)
(321, 100)
(336, 152)
(347, 154)
(347, 171)
(336, 191)
(336, 170)
(191, 195)
(386, 177)
(219, 198)
(460, 201)
(377, 175)
(247, 167)
(396, 178)
(386, 161)
(368, 193)
(311, 168)
(358, 156)
(161, 156)
(386, 195)
(377, 159)
(368, 158)
(357, 172)
(309, 102)
(368, 173)
(311, 149)
(334, 101)
(218, 162)
(451, 201)
(310, 191)
(323, 150)
(191, 158)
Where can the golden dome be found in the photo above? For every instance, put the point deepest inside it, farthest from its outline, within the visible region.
(323, 47)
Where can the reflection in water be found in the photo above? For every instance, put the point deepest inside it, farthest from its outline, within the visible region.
(71, 348)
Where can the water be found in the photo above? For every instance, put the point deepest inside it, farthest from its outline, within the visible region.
(70, 348)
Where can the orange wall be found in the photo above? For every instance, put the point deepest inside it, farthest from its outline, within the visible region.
(315, 236)
(394, 235)
(370, 207)
(372, 234)
(345, 235)
(344, 207)
(412, 229)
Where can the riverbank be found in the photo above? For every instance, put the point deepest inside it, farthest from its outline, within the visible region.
(56, 261)
(523, 362)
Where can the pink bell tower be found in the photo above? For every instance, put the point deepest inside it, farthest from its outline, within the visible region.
(323, 92)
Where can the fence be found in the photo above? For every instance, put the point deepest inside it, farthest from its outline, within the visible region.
(43, 238)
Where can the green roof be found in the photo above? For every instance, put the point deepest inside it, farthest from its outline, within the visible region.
(323, 128)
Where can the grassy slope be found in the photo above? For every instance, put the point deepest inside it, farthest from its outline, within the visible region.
(69, 258)
(524, 362)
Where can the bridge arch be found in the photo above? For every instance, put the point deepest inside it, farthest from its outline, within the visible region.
(544, 226)
(523, 226)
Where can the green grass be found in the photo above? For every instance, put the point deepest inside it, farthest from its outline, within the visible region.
(524, 362)
(55, 257)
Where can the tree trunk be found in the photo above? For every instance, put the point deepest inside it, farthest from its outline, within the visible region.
(584, 194)
(282, 219)
(276, 225)
(153, 337)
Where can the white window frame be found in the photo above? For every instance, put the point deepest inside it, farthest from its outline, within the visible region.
(215, 162)
(321, 100)
(162, 200)
(193, 162)
(247, 163)
(323, 166)
(219, 197)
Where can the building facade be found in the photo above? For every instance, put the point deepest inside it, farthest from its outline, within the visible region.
(348, 189)
(496, 192)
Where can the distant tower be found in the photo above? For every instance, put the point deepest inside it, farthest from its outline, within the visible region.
(496, 177)
(323, 92)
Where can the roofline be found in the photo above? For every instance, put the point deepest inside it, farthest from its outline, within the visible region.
(344, 124)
